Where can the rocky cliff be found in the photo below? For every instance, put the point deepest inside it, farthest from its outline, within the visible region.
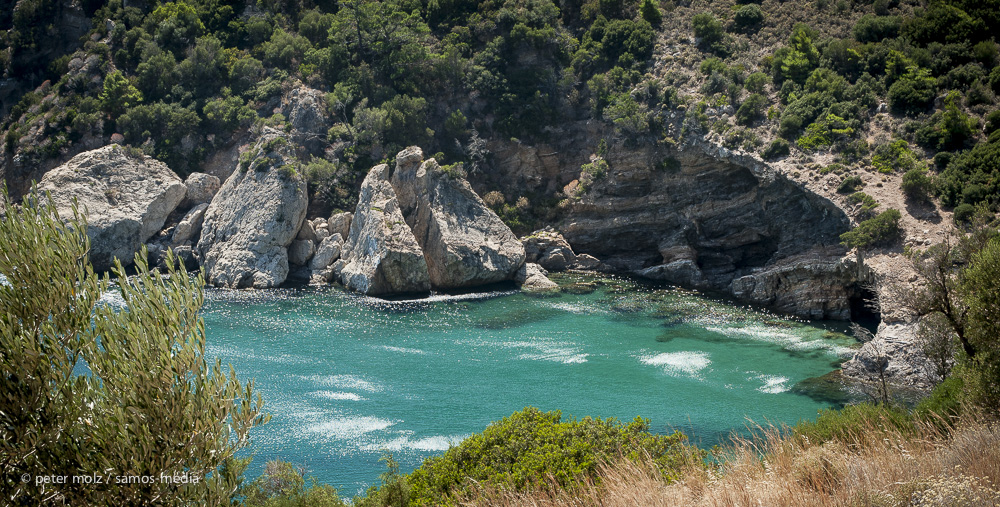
(254, 217)
(696, 215)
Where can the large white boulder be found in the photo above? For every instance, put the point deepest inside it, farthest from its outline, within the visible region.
(126, 198)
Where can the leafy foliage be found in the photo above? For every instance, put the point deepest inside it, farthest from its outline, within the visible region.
(147, 373)
(530, 447)
(875, 231)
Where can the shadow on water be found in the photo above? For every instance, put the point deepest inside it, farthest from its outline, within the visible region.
(828, 389)
(518, 318)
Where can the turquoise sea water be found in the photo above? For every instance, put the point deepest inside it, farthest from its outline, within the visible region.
(348, 378)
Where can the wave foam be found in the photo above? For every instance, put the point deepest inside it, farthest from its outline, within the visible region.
(343, 428)
(404, 350)
(773, 384)
(350, 382)
(437, 443)
(337, 395)
(679, 363)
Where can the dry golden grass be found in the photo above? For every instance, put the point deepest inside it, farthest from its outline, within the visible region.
(880, 467)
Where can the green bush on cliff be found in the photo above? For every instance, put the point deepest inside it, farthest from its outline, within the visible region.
(874, 231)
(529, 449)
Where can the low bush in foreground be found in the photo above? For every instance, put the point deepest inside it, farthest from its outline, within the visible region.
(533, 450)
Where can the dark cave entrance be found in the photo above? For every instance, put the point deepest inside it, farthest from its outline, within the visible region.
(864, 307)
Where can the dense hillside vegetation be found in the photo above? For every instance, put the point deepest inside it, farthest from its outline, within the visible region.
(888, 86)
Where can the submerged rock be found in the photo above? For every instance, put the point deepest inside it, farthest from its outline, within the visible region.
(254, 217)
(125, 197)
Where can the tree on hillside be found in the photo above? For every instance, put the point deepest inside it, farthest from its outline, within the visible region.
(111, 391)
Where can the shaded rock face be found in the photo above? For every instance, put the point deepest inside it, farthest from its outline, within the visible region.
(720, 222)
(464, 242)
(381, 255)
(254, 218)
(125, 198)
(190, 225)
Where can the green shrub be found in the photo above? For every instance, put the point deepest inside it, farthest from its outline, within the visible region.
(825, 132)
(850, 184)
(284, 485)
(992, 122)
(854, 423)
(530, 448)
(798, 59)
(963, 213)
(756, 82)
(868, 204)
(777, 148)
(874, 231)
(751, 109)
(871, 28)
(894, 156)
(748, 17)
(650, 11)
(712, 65)
(948, 129)
(972, 176)
(945, 400)
(913, 92)
(917, 184)
(709, 31)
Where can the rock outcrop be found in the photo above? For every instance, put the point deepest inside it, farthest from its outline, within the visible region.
(126, 199)
(715, 220)
(307, 115)
(381, 255)
(417, 227)
(201, 188)
(532, 278)
(895, 355)
(551, 251)
(464, 242)
(254, 217)
(189, 226)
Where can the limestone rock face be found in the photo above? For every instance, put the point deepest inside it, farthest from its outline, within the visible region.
(254, 217)
(381, 256)
(551, 251)
(190, 225)
(201, 188)
(300, 251)
(532, 278)
(895, 347)
(814, 285)
(328, 251)
(125, 198)
(340, 223)
(464, 242)
(306, 111)
(713, 219)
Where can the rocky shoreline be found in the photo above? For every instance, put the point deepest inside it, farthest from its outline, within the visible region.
(695, 215)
